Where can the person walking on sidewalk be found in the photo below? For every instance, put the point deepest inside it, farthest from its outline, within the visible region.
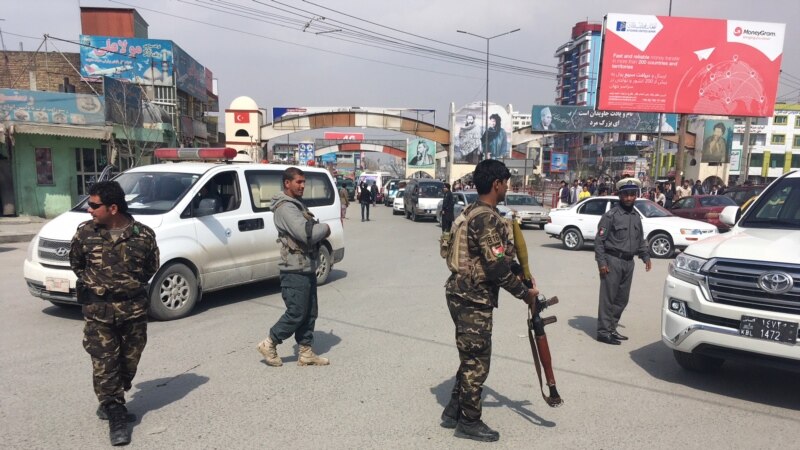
(344, 202)
(113, 257)
(299, 235)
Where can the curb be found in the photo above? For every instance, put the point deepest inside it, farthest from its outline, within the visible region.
(16, 238)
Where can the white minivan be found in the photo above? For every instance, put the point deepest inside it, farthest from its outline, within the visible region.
(204, 246)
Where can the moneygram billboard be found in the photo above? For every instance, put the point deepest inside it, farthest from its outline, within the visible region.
(690, 65)
(587, 119)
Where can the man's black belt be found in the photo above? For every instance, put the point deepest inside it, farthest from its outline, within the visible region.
(619, 254)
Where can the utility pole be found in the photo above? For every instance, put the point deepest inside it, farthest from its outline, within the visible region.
(680, 156)
(744, 162)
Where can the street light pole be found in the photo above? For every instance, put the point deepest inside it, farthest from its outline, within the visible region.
(486, 103)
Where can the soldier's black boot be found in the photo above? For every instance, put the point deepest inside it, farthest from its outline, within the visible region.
(477, 431)
(118, 430)
(102, 414)
(450, 415)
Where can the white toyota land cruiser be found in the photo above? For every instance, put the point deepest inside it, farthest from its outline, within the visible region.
(213, 226)
(737, 295)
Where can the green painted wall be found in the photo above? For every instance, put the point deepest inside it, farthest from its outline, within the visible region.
(47, 200)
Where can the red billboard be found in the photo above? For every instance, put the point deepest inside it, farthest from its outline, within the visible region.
(334, 136)
(690, 65)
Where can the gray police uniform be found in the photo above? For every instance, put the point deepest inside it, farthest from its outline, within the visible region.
(619, 239)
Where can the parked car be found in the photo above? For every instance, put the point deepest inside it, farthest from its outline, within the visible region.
(349, 186)
(527, 209)
(664, 231)
(466, 198)
(741, 194)
(205, 245)
(737, 295)
(390, 190)
(421, 198)
(703, 207)
(397, 203)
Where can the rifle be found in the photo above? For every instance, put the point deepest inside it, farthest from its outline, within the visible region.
(536, 335)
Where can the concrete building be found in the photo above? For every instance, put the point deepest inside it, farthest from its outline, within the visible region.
(579, 66)
(774, 145)
(520, 120)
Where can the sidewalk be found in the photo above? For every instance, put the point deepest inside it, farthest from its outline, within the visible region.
(19, 229)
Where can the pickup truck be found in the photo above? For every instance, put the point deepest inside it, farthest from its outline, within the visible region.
(205, 244)
(737, 295)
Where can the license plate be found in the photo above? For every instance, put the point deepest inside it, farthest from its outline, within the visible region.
(768, 329)
(56, 284)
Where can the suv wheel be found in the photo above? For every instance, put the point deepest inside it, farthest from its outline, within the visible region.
(325, 265)
(697, 363)
(660, 246)
(572, 239)
(174, 292)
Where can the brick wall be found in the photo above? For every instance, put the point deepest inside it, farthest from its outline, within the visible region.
(50, 69)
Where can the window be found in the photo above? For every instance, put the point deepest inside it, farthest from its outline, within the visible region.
(778, 139)
(89, 162)
(684, 203)
(796, 141)
(780, 120)
(220, 194)
(263, 184)
(796, 161)
(797, 121)
(44, 167)
(776, 160)
(582, 72)
(593, 208)
(756, 160)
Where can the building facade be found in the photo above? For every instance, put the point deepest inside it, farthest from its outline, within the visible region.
(579, 66)
(774, 145)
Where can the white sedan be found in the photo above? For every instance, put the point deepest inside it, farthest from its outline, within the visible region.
(664, 232)
(397, 204)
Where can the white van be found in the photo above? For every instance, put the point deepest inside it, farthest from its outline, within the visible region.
(379, 178)
(204, 246)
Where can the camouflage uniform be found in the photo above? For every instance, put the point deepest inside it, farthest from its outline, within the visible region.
(471, 295)
(115, 275)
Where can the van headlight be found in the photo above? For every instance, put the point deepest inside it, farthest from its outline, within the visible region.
(689, 269)
(32, 247)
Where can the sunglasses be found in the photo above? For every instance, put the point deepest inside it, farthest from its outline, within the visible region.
(94, 205)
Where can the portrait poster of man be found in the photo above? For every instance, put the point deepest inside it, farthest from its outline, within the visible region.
(421, 153)
(717, 140)
(470, 135)
(558, 162)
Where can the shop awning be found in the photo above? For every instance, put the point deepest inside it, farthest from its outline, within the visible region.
(76, 131)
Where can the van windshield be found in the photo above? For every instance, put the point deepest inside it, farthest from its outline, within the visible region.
(151, 192)
(430, 190)
(777, 208)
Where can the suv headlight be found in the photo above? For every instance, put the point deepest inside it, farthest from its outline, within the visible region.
(688, 268)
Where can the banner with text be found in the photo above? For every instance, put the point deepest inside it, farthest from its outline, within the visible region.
(142, 61)
(587, 119)
(690, 65)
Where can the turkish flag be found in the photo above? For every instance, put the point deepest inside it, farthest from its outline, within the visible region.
(241, 117)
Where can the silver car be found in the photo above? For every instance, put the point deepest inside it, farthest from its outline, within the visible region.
(463, 199)
(527, 209)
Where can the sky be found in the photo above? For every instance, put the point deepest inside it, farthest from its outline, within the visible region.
(259, 48)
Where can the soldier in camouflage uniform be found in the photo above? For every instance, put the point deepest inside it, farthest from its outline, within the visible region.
(472, 294)
(114, 257)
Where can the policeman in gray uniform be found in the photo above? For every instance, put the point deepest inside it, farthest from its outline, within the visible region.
(619, 239)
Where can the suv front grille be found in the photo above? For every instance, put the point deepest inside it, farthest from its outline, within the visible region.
(54, 251)
(735, 282)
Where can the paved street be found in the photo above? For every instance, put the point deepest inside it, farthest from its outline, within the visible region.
(384, 325)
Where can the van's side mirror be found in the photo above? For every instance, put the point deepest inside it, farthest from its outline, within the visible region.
(207, 207)
(460, 202)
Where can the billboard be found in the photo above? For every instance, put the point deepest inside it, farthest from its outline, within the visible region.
(420, 154)
(690, 65)
(558, 162)
(717, 138)
(51, 107)
(142, 61)
(470, 136)
(585, 118)
(336, 136)
(305, 152)
(190, 75)
(123, 102)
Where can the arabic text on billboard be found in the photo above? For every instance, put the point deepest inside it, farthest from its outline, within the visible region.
(584, 118)
(690, 65)
(142, 61)
(51, 107)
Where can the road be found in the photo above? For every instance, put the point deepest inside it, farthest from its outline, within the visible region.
(384, 325)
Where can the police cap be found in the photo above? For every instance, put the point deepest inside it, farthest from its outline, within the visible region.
(629, 184)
